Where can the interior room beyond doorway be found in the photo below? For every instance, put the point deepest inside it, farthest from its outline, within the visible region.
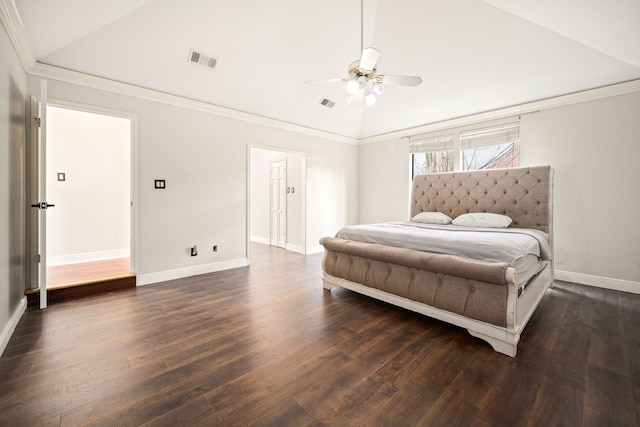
(265, 189)
(89, 181)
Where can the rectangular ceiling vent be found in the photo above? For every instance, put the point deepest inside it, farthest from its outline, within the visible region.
(202, 59)
(327, 103)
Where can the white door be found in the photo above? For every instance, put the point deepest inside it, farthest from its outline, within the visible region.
(279, 203)
(42, 204)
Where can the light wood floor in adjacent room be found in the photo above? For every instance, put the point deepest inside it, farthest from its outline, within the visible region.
(267, 345)
(60, 276)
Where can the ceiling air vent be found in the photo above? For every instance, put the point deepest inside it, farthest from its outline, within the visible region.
(202, 59)
(327, 103)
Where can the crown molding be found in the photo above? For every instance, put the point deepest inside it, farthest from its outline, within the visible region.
(526, 108)
(99, 83)
(13, 24)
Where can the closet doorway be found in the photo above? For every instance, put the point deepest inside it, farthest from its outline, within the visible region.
(89, 179)
(277, 199)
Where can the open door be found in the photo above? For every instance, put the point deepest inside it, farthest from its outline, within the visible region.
(41, 203)
(279, 203)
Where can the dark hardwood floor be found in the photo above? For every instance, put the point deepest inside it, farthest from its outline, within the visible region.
(266, 345)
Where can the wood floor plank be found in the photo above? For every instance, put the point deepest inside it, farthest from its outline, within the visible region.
(450, 409)
(429, 381)
(574, 343)
(236, 408)
(330, 396)
(608, 352)
(482, 372)
(609, 399)
(267, 345)
(557, 405)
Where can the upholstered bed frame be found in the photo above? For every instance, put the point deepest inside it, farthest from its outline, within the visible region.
(479, 296)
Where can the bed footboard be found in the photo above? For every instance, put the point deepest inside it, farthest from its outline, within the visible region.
(473, 289)
(423, 283)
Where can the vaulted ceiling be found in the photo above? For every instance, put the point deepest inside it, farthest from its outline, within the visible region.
(473, 55)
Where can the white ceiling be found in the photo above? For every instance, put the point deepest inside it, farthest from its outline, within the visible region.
(473, 55)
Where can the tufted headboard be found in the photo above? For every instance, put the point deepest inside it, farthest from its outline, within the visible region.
(523, 194)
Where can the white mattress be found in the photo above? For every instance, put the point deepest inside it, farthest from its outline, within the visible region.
(527, 267)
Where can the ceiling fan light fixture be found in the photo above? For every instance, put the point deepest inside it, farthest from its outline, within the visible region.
(370, 99)
(352, 86)
(356, 99)
(378, 88)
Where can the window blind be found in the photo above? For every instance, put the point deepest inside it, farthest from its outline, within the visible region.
(488, 136)
(432, 143)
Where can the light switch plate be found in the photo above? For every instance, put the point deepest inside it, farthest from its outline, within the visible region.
(160, 184)
(62, 176)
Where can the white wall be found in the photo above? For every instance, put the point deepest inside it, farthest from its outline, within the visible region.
(260, 197)
(13, 87)
(91, 215)
(203, 158)
(385, 182)
(593, 148)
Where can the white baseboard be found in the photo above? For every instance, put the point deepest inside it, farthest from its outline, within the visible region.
(598, 281)
(315, 249)
(262, 240)
(163, 276)
(294, 248)
(11, 325)
(87, 257)
(289, 246)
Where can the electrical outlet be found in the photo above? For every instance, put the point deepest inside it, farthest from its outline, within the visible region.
(215, 248)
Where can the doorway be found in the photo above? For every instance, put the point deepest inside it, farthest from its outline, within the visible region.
(277, 199)
(89, 181)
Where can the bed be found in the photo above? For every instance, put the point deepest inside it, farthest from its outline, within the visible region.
(491, 296)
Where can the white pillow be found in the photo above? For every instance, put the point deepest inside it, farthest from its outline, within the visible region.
(432, 218)
(482, 219)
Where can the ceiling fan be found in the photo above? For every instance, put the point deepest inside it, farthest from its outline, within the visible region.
(363, 80)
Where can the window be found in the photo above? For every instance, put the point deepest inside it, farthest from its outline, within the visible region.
(484, 146)
(432, 155)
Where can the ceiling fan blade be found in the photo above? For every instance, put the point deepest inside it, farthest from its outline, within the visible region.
(369, 58)
(401, 80)
(313, 82)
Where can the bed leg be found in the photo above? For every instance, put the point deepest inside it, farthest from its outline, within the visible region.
(498, 345)
(328, 285)
(329, 282)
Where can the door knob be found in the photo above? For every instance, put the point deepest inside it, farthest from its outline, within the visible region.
(42, 205)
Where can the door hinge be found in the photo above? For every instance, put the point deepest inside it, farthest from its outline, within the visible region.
(38, 121)
(38, 258)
